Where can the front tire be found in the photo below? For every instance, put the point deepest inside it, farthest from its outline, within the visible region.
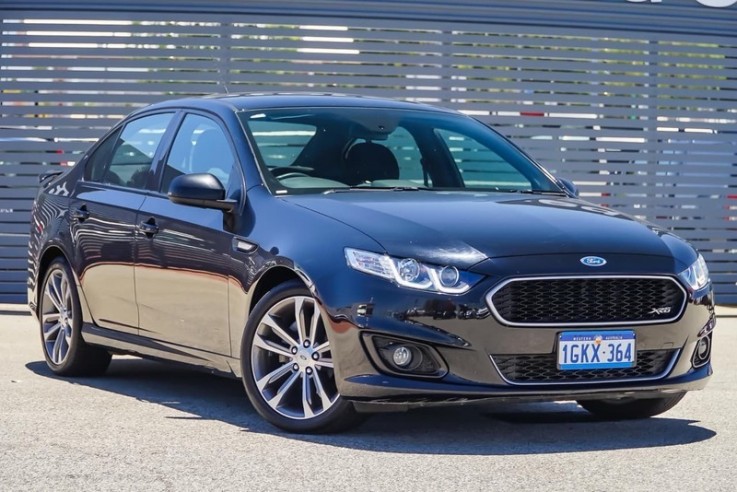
(287, 364)
(60, 316)
(631, 409)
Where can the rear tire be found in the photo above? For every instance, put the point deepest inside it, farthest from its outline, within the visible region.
(287, 364)
(628, 409)
(60, 319)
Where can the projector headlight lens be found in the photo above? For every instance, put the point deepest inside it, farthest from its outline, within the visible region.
(697, 275)
(411, 273)
(449, 276)
(409, 269)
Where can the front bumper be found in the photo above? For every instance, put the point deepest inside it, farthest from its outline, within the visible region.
(465, 335)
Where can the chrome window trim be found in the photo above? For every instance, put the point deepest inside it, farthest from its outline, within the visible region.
(663, 374)
(499, 318)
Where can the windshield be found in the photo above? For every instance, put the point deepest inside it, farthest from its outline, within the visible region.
(314, 150)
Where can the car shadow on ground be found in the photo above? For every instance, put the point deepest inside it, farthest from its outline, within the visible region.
(472, 430)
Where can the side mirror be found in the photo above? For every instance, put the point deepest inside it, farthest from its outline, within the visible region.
(569, 186)
(200, 190)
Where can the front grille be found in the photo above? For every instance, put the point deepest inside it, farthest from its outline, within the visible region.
(588, 301)
(542, 369)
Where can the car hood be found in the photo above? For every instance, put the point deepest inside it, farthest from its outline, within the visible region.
(465, 228)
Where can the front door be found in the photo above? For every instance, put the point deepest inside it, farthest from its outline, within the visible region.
(184, 251)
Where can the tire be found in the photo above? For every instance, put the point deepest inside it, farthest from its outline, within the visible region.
(60, 320)
(629, 409)
(287, 364)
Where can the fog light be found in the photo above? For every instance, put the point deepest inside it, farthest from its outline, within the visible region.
(405, 357)
(702, 349)
(402, 356)
(449, 276)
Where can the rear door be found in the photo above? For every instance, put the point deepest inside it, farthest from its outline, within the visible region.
(102, 211)
(184, 258)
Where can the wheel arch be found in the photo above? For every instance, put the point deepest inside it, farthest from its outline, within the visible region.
(51, 253)
(271, 278)
(266, 281)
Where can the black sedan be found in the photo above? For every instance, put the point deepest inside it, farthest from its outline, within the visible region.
(344, 255)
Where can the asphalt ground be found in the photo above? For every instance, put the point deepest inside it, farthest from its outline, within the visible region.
(151, 426)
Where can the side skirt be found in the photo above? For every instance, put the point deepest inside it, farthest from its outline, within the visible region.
(126, 343)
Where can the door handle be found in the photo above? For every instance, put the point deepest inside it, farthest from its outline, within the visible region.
(81, 214)
(148, 227)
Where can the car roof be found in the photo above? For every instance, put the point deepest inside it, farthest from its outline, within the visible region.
(276, 100)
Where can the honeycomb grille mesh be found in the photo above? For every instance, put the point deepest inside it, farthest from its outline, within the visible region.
(588, 300)
(542, 368)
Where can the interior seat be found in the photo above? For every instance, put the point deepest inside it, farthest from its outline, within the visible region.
(368, 162)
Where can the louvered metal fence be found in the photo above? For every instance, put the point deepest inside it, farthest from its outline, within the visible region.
(641, 115)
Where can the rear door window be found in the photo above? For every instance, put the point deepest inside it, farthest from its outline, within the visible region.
(125, 158)
(97, 164)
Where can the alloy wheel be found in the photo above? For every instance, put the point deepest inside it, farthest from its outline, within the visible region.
(291, 361)
(57, 316)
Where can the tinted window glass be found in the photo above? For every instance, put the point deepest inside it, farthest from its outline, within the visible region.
(311, 150)
(481, 167)
(135, 151)
(403, 147)
(132, 150)
(98, 162)
(199, 147)
(280, 143)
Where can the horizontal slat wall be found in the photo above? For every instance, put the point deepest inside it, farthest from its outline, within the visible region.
(680, 16)
(644, 122)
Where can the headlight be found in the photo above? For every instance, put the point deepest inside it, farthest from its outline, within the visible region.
(412, 274)
(697, 275)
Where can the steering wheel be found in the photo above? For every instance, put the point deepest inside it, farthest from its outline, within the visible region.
(281, 171)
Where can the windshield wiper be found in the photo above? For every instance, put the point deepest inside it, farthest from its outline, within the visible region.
(544, 192)
(532, 192)
(376, 188)
(424, 188)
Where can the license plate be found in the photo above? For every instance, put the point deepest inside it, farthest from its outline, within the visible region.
(596, 349)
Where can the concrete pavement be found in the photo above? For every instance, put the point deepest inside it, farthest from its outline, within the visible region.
(151, 426)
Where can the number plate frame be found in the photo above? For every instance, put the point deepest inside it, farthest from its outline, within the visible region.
(607, 341)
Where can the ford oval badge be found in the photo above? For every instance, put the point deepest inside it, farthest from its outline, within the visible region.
(593, 261)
